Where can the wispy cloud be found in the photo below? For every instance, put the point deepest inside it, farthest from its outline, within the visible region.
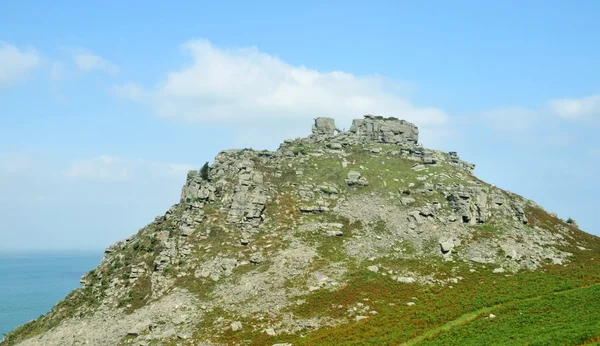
(17, 64)
(112, 168)
(556, 115)
(576, 108)
(87, 61)
(245, 85)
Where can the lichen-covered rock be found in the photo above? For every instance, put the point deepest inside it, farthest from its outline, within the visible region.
(354, 178)
(324, 126)
(385, 130)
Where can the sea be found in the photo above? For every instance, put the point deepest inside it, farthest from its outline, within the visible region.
(31, 283)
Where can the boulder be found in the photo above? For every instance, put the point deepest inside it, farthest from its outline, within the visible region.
(447, 245)
(427, 211)
(374, 269)
(407, 200)
(385, 130)
(235, 326)
(354, 178)
(406, 280)
(324, 126)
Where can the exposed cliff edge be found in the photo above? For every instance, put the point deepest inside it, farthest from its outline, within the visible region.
(267, 246)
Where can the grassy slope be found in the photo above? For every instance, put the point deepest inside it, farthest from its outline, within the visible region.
(396, 322)
(435, 307)
(568, 317)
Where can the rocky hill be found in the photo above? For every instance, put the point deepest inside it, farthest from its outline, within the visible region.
(356, 237)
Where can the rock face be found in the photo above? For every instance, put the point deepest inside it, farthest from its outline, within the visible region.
(324, 126)
(385, 130)
(252, 239)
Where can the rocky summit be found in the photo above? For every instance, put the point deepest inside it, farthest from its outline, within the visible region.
(339, 238)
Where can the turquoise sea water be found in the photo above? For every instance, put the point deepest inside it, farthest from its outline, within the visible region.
(31, 283)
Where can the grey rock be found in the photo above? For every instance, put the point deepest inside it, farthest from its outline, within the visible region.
(428, 160)
(470, 204)
(447, 245)
(353, 175)
(407, 200)
(324, 126)
(354, 178)
(305, 192)
(235, 326)
(320, 277)
(140, 328)
(256, 258)
(427, 211)
(329, 189)
(178, 320)
(385, 130)
(313, 209)
(416, 217)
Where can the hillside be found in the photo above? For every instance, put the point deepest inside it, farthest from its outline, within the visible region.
(360, 237)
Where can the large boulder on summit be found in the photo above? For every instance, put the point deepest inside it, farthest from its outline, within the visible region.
(324, 126)
(385, 130)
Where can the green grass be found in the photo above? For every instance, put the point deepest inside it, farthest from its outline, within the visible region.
(485, 231)
(479, 292)
(563, 318)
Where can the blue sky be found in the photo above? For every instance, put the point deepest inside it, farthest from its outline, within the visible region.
(105, 106)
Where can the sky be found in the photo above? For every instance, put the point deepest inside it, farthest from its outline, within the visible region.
(105, 105)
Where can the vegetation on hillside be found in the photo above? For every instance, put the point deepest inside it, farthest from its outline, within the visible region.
(553, 304)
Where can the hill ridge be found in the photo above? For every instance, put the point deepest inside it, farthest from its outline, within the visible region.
(257, 236)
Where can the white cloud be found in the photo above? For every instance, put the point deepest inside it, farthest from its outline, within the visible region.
(16, 64)
(576, 108)
(87, 61)
(513, 119)
(246, 85)
(110, 168)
